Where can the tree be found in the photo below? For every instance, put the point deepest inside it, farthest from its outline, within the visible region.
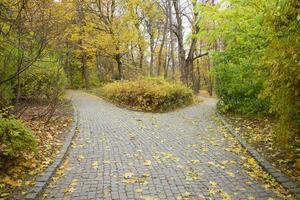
(151, 15)
(187, 61)
(113, 30)
(257, 69)
(27, 28)
(81, 42)
(281, 67)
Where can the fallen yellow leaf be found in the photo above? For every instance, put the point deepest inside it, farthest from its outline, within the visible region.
(147, 163)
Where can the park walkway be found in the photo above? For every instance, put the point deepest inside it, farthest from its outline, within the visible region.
(123, 154)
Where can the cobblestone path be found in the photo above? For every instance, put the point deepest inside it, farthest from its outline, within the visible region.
(122, 154)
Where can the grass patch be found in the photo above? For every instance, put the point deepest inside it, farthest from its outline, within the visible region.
(151, 94)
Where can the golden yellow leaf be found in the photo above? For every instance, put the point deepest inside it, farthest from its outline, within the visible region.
(147, 163)
(138, 190)
(128, 175)
(80, 158)
(95, 165)
(230, 174)
(70, 190)
(106, 162)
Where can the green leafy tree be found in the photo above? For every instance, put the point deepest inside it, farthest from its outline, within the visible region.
(236, 66)
(282, 68)
(257, 66)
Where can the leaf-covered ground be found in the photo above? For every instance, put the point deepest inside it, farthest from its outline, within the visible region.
(258, 132)
(19, 176)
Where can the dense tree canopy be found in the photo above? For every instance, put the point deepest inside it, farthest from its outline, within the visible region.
(257, 70)
(245, 51)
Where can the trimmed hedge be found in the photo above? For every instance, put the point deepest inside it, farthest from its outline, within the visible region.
(152, 94)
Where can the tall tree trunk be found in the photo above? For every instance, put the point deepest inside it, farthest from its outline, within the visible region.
(166, 67)
(190, 57)
(71, 70)
(19, 66)
(196, 85)
(152, 53)
(20, 54)
(112, 71)
(162, 47)
(98, 66)
(140, 46)
(171, 38)
(85, 72)
(179, 34)
(120, 66)
(131, 54)
(67, 64)
(210, 83)
(141, 58)
(189, 62)
(83, 52)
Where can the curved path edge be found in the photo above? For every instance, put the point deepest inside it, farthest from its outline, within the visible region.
(281, 178)
(44, 178)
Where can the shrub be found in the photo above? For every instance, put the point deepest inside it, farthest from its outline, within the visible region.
(16, 141)
(43, 83)
(6, 95)
(238, 87)
(152, 94)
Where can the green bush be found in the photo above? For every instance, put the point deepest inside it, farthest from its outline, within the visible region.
(16, 141)
(43, 83)
(152, 94)
(238, 86)
(6, 95)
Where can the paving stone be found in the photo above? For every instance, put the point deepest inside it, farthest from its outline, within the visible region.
(180, 145)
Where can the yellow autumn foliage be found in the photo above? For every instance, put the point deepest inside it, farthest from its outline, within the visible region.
(151, 94)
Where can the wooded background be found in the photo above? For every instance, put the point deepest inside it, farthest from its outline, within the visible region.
(244, 51)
